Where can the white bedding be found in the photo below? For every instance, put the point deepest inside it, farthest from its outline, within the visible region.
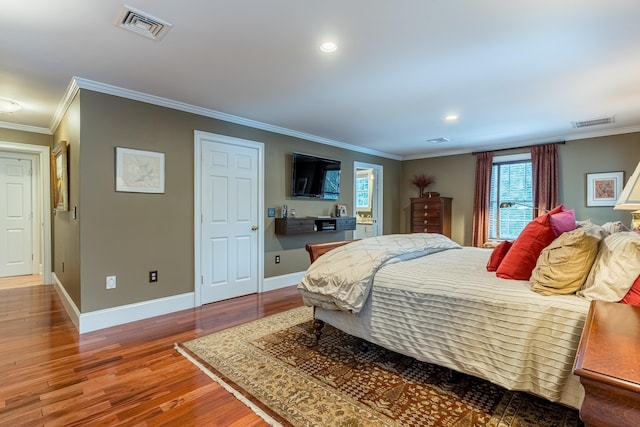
(445, 308)
(341, 279)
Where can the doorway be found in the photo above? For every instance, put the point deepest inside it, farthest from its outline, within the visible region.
(16, 215)
(368, 184)
(40, 221)
(229, 197)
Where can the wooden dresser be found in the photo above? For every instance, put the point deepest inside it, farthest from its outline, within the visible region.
(608, 364)
(431, 215)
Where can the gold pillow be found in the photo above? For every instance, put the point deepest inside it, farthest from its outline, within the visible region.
(564, 265)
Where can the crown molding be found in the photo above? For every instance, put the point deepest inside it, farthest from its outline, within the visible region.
(25, 128)
(80, 83)
(66, 101)
(519, 144)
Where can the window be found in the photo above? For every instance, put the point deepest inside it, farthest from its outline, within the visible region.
(511, 181)
(362, 193)
(331, 185)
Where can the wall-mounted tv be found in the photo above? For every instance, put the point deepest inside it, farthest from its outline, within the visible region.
(315, 177)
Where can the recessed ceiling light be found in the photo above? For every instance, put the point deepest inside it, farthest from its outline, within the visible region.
(451, 117)
(9, 106)
(328, 47)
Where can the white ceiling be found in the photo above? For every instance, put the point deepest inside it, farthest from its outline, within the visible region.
(515, 72)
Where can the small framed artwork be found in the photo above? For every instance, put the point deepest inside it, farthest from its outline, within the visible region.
(139, 171)
(60, 178)
(603, 189)
(341, 210)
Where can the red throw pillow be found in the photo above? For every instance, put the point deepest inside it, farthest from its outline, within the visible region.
(633, 296)
(498, 254)
(523, 255)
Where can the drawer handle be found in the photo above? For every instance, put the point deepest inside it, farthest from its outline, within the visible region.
(425, 207)
(426, 221)
(426, 214)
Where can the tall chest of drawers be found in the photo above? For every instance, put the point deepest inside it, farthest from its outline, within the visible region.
(431, 215)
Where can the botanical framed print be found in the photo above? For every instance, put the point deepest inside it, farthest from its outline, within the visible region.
(59, 171)
(139, 171)
(603, 189)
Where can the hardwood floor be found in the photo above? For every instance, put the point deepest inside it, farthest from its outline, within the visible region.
(20, 281)
(126, 375)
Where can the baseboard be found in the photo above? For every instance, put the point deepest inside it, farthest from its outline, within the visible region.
(100, 319)
(277, 282)
(68, 304)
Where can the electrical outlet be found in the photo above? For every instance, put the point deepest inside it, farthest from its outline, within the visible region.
(153, 276)
(277, 259)
(111, 282)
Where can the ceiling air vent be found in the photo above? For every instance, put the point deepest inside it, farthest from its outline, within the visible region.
(593, 122)
(439, 140)
(142, 23)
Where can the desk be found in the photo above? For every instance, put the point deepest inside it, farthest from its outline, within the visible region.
(608, 364)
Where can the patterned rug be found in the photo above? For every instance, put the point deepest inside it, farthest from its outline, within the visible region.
(272, 367)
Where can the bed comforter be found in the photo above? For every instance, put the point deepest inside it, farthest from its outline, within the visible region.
(342, 278)
(445, 308)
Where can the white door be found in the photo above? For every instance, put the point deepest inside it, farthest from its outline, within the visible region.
(230, 228)
(368, 199)
(16, 252)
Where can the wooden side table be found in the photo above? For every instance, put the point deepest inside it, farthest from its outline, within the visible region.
(608, 364)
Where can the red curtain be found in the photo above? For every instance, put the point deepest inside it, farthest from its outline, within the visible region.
(544, 167)
(480, 222)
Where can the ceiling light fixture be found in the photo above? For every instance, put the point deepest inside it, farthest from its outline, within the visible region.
(9, 106)
(328, 47)
(451, 117)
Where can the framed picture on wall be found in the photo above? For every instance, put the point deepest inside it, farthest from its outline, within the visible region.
(139, 171)
(603, 189)
(60, 179)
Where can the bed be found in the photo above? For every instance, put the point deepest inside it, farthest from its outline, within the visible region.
(427, 297)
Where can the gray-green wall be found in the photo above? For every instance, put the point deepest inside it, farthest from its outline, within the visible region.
(22, 137)
(455, 177)
(129, 234)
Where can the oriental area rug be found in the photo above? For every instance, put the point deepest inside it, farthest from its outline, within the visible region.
(271, 365)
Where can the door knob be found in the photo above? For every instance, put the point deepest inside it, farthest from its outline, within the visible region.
(254, 227)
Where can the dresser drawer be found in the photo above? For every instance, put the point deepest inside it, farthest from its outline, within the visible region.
(423, 222)
(423, 206)
(426, 229)
(426, 213)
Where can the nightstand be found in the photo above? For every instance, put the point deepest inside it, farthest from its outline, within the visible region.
(608, 364)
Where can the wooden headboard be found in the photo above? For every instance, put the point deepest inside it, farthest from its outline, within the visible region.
(317, 249)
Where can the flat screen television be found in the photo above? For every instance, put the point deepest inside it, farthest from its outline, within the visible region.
(315, 177)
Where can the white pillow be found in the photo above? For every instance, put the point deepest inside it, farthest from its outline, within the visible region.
(616, 267)
(614, 227)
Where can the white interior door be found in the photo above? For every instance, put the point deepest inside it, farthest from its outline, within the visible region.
(16, 216)
(230, 232)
